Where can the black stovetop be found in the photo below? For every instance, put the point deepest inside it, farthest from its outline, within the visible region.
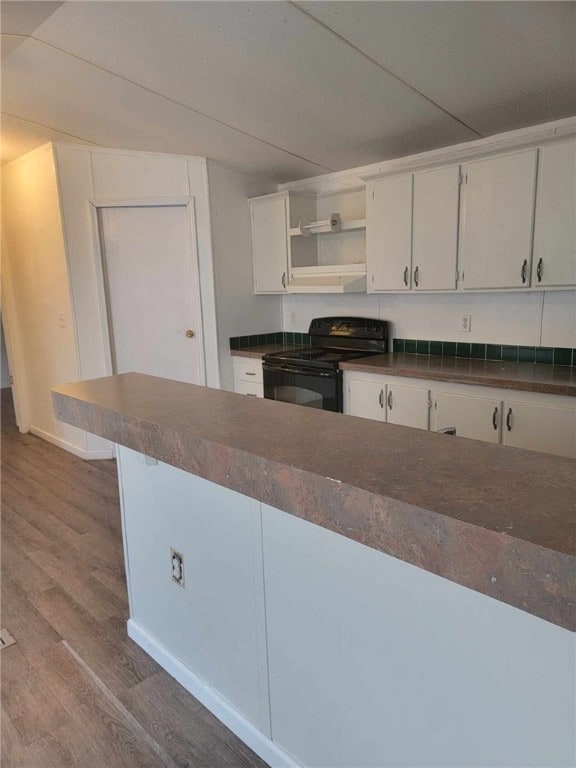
(317, 357)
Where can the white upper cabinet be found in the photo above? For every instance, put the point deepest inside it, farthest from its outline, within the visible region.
(554, 258)
(497, 217)
(270, 242)
(389, 234)
(435, 229)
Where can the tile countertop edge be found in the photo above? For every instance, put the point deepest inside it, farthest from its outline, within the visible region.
(520, 573)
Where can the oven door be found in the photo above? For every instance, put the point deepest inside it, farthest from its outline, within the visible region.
(303, 386)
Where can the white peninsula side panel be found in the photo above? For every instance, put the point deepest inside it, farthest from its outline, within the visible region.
(214, 624)
(374, 662)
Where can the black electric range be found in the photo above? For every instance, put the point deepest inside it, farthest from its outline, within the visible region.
(311, 376)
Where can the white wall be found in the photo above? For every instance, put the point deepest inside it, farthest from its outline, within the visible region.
(239, 312)
(529, 319)
(4, 367)
(34, 247)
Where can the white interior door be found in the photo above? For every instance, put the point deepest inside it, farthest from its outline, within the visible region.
(151, 278)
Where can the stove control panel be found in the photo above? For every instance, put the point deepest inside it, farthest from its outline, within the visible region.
(351, 327)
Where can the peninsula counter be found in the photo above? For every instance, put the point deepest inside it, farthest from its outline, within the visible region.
(355, 593)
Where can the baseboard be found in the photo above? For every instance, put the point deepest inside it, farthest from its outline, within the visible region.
(211, 699)
(82, 453)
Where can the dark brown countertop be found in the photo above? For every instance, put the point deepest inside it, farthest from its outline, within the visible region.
(528, 377)
(264, 349)
(498, 520)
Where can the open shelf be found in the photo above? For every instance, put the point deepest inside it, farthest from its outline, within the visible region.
(323, 228)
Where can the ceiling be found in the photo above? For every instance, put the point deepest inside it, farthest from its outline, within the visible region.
(290, 89)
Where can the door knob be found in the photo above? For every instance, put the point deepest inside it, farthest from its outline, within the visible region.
(189, 333)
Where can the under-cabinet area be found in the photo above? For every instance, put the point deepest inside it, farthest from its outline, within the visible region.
(535, 421)
(489, 220)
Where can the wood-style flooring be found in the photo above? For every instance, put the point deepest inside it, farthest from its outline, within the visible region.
(76, 691)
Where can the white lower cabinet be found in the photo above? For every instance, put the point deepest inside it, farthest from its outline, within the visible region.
(248, 376)
(366, 399)
(539, 428)
(394, 403)
(476, 417)
(537, 422)
(408, 406)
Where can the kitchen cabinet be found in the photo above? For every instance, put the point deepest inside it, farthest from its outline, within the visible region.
(435, 229)
(496, 221)
(269, 215)
(389, 234)
(478, 418)
(554, 257)
(248, 376)
(408, 406)
(539, 428)
(392, 402)
(366, 399)
(304, 243)
(537, 422)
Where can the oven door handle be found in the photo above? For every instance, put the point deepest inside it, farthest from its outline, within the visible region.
(303, 371)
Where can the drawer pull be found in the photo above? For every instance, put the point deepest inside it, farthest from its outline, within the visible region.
(539, 269)
(249, 373)
(495, 418)
(390, 400)
(523, 270)
(509, 420)
(416, 271)
(406, 276)
(381, 398)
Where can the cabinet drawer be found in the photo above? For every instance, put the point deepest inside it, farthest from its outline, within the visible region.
(247, 369)
(254, 388)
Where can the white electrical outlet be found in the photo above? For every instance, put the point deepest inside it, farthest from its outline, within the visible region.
(177, 567)
(465, 323)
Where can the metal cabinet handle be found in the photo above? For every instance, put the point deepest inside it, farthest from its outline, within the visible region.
(249, 373)
(381, 398)
(523, 270)
(495, 418)
(390, 399)
(406, 276)
(416, 276)
(509, 420)
(539, 269)
(283, 279)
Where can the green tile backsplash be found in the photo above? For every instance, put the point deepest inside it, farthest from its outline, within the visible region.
(507, 352)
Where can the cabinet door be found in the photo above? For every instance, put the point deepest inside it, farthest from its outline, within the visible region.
(389, 234)
(540, 428)
(408, 406)
(366, 399)
(270, 243)
(497, 221)
(475, 417)
(554, 259)
(435, 229)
